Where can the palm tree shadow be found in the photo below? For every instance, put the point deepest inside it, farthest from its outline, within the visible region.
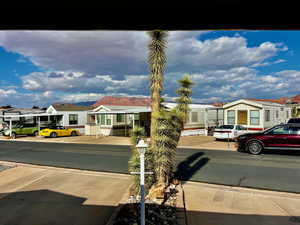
(187, 168)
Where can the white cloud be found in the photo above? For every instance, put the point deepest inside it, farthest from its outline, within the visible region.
(125, 52)
(79, 82)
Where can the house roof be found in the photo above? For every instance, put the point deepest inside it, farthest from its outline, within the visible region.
(71, 107)
(252, 102)
(193, 106)
(123, 101)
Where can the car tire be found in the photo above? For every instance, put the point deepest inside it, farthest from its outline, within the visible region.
(254, 147)
(53, 135)
(13, 135)
(73, 133)
(35, 133)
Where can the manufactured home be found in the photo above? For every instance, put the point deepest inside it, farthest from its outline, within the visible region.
(72, 116)
(255, 115)
(118, 115)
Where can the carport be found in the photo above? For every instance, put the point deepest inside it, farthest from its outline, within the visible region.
(38, 116)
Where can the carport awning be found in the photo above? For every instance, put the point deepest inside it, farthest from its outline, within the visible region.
(29, 115)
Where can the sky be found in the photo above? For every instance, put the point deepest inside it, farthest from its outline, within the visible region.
(43, 67)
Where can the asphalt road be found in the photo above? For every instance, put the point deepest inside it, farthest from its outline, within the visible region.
(273, 171)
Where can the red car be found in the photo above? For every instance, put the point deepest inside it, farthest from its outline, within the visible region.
(280, 137)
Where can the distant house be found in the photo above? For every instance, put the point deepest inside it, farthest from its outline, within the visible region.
(7, 111)
(73, 116)
(117, 115)
(256, 115)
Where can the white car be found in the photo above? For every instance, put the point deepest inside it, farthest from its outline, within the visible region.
(229, 131)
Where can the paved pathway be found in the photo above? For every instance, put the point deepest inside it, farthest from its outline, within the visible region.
(214, 204)
(33, 195)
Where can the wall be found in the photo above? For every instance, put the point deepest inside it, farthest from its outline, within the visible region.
(82, 120)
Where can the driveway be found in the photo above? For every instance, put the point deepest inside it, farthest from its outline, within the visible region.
(38, 195)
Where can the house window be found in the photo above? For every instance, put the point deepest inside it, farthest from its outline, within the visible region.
(231, 117)
(73, 119)
(254, 117)
(120, 118)
(277, 114)
(194, 117)
(287, 114)
(102, 119)
(108, 120)
(267, 115)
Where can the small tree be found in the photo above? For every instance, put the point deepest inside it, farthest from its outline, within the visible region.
(170, 126)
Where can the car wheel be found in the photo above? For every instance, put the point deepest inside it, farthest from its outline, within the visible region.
(53, 135)
(73, 133)
(254, 147)
(35, 133)
(13, 135)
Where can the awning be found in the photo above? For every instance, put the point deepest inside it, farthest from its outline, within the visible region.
(29, 115)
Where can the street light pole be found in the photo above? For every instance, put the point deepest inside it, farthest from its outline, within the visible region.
(141, 148)
(142, 181)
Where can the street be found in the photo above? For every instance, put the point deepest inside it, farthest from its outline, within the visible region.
(273, 171)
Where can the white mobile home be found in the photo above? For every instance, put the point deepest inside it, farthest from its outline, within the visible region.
(255, 115)
(73, 116)
(118, 120)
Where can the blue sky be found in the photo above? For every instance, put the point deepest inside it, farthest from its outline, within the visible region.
(42, 67)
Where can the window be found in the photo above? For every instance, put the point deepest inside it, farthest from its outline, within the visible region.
(194, 117)
(280, 130)
(73, 119)
(254, 117)
(287, 114)
(231, 117)
(120, 118)
(108, 120)
(102, 119)
(267, 115)
(226, 127)
(277, 114)
(295, 130)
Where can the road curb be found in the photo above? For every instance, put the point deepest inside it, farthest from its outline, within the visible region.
(66, 170)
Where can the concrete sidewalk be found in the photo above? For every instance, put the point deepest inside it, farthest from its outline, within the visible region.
(45, 195)
(208, 204)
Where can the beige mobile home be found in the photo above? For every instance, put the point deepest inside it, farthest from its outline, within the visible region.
(255, 115)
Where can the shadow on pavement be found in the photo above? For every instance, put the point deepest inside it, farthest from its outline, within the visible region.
(187, 168)
(44, 207)
(281, 152)
(48, 207)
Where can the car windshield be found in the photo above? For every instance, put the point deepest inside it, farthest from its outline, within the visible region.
(225, 127)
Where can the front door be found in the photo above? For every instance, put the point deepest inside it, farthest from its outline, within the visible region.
(242, 117)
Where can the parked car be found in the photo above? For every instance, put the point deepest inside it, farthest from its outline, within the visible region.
(58, 131)
(280, 137)
(229, 131)
(294, 120)
(22, 129)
